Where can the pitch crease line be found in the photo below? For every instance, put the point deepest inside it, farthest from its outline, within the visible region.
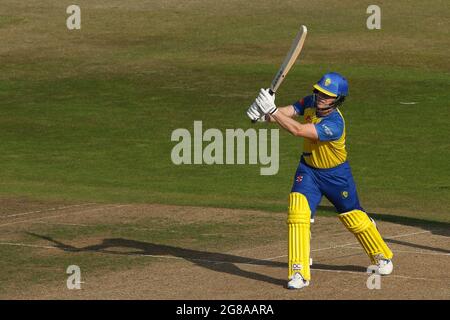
(434, 252)
(351, 244)
(214, 261)
(390, 276)
(67, 214)
(46, 210)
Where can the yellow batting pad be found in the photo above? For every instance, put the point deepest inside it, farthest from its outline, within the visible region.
(299, 235)
(358, 223)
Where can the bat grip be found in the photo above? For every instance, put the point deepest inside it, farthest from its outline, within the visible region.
(271, 93)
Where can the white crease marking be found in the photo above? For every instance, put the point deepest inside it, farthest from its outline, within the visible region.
(45, 210)
(65, 215)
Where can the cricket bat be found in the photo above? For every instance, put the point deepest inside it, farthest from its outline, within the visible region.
(290, 59)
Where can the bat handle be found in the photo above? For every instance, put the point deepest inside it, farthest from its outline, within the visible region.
(271, 93)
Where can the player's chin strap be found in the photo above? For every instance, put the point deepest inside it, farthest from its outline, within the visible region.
(338, 102)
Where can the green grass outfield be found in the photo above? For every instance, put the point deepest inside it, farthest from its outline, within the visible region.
(87, 115)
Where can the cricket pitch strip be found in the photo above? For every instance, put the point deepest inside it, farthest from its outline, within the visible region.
(152, 251)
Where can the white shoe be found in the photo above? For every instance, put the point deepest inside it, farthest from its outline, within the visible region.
(297, 282)
(385, 267)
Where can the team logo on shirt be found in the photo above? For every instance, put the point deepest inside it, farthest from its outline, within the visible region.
(327, 130)
(344, 194)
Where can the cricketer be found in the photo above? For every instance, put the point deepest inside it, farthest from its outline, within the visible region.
(323, 171)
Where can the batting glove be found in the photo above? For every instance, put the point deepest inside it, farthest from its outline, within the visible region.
(266, 102)
(255, 114)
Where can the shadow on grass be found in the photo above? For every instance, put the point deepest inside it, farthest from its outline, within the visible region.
(219, 262)
(327, 267)
(434, 227)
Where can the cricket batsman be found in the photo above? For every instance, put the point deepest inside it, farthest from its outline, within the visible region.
(323, 171)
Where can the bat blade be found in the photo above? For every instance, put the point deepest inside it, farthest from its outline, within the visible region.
(290, 59)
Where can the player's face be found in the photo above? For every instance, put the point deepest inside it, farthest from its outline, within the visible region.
(323, 103)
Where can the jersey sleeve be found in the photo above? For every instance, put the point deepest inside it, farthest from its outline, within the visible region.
(299, 106)
(330, 129)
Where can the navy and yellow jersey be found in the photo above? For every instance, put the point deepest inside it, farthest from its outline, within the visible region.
(329, 151)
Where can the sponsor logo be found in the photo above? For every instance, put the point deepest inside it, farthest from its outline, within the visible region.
(327, 130)
(296, 266)
(299, 179)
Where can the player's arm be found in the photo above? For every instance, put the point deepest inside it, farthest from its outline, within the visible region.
(288, 111)
(266, 102)
(254, 113)
(297, 129)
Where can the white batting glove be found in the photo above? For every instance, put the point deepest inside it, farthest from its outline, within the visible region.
(255, 114)
(266, 102)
